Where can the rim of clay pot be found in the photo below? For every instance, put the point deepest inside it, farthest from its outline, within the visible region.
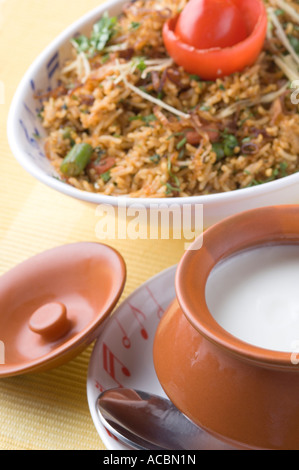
(273, 225)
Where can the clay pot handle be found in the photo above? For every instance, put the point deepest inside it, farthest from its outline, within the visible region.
(50, 321)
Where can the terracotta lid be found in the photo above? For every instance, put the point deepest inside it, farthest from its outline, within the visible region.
(52, 306)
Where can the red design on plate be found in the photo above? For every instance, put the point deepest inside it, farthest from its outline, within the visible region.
(160, 310)
(139, 314)
(113, 366)
(125, 339)
(111, 435)
(99, 386)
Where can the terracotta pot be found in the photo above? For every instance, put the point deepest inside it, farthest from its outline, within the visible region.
(243, 394)
(53, 305)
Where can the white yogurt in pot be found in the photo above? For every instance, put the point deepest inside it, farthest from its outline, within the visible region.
(254, 295)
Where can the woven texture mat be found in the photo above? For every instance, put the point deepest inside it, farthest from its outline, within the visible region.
(49, 410)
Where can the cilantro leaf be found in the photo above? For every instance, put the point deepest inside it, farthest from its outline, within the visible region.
(106, 176)
(135, 25)
(81, 43)
(102, 32)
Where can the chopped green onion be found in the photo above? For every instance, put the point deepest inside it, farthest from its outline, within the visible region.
(141, 64)
(181, 143)
(194, 77)
(279, 12)
(175, 134)
(105, 58)
(294, 42)
(147, 119)
(218, 149)
(230, 143)
(66, 133)
(205, 108)
(226, 146)
(102, 32)
(283, 169)
(171, 189)
(138, 117)
(76, 160)
(40, 113)
(106, 176)
(135, 25)
(155, 158)
(181, 154)
(81, 43)
(99, 152)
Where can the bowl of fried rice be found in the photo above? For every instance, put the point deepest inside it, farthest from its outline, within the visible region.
(106, 116)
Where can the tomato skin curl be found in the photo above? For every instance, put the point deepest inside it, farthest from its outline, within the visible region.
(210, 64)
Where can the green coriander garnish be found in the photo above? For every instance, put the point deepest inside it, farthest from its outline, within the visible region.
(279, 12)
(181, 143)
(146, 119)
(194, 77)
(105, 58)
(141, 65)
(283, 169)
(155, 158)
(226, 146)
(172, 189)
(99, 153)
(81, 43)
(294, 42)
(175, 186)
(40, 113)
(181, 154)
(102, 32)
(218, 149)
(175, 134)
(205, 108)
(230, 142)
(106, 176)
(149, 118)
(135, 25)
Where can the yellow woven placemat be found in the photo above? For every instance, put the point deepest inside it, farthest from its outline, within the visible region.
(49, 410)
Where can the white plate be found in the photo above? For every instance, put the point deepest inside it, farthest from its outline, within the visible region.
(122, 355)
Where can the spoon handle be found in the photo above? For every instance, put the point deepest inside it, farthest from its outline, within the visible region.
(149, 422)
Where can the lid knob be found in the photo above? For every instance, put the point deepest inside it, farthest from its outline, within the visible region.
(50, 321)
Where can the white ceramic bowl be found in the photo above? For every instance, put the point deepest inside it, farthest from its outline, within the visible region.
(23, 125)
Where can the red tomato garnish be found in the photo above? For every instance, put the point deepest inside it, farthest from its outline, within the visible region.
(184, 39)
(205, 24)
(211, 129)
(103, 165)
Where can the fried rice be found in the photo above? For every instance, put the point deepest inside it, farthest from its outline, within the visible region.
(157, 131)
